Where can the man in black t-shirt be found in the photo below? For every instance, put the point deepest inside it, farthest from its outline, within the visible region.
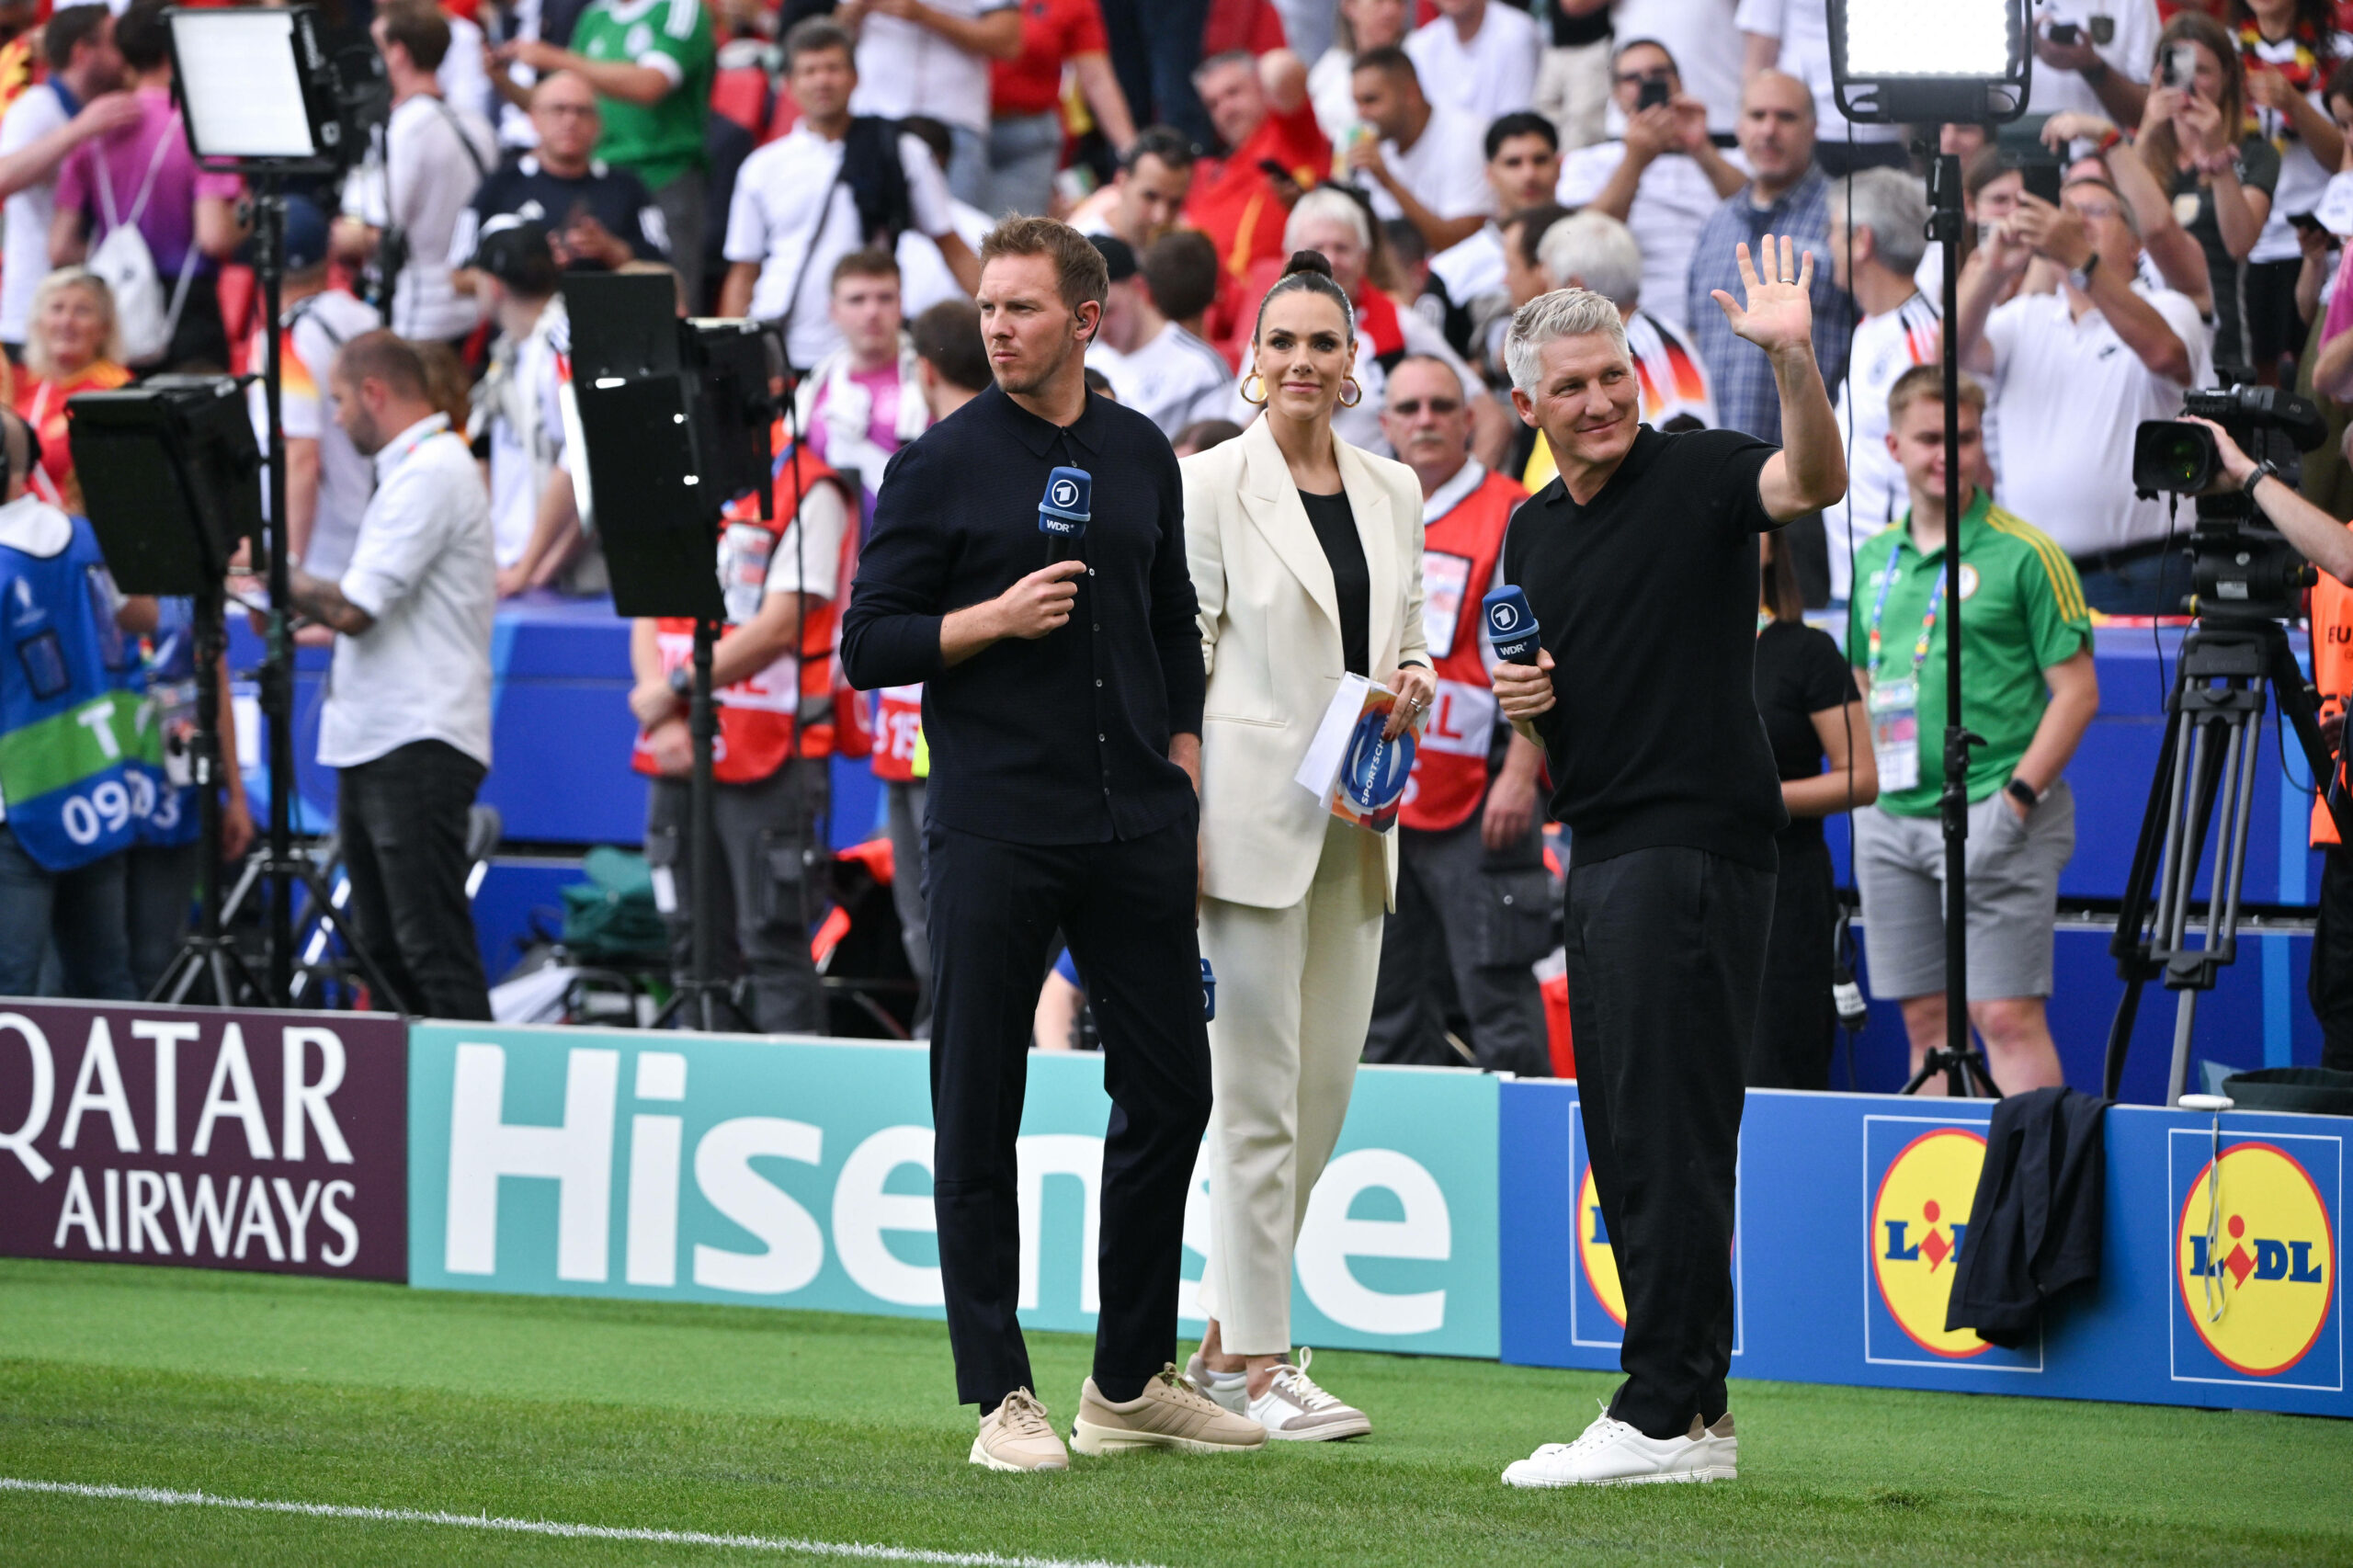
(1639, 563)
(597, 217)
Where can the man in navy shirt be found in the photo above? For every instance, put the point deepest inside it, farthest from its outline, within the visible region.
(1063, 707)
(597, 217)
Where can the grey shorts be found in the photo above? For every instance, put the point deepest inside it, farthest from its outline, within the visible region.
(2013, 879)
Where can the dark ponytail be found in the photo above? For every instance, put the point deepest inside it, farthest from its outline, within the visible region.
(1309, 272)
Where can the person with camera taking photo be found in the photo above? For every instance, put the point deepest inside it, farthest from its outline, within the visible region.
(2328, 545)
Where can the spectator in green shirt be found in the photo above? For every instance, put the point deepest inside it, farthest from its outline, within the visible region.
(2027, 687)
(651, 63)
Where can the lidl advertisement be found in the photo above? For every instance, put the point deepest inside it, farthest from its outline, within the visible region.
(797, 1174)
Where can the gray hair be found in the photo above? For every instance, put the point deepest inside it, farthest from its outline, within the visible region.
(1596, 251)
(1563, 313)
(1893, 206)
(1326, 202)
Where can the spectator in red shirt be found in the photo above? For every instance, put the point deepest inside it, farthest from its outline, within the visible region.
(1024, 102)
(1253, 27)
(1262, 115)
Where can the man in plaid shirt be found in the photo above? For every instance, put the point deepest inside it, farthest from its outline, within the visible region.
(1786, 194)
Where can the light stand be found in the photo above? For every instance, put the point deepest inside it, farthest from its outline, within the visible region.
(261, 98)
(1895, 61)
(676, 417)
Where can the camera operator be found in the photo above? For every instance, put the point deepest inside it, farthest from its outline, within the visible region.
(2073, 374)
(2328, 545)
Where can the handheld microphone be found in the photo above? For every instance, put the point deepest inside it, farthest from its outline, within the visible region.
(1062, 512)
(1511, 626)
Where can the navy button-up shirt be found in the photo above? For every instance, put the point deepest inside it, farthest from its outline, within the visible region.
(1063, 740)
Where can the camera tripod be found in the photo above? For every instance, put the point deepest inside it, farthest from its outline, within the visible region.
(2230, 666)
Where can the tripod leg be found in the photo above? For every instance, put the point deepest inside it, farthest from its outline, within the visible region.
(2129, 946)
(2185, 1020)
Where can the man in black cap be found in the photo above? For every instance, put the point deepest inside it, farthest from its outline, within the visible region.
(327, 481)
(517, 419)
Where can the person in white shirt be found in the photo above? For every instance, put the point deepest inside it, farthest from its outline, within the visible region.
(2085, 72)
(1363, 26)
(403, 205)
(2075, 372)
(1146, 198)
(794, 216)
(1793, 36)
(1662, 180)
(1428, 166)
(406, 719)
(518, 405)
(80, 100)
(1883, 230)
(1706, 47)
(327, 481)
(1523, 168)
(1149, 345)
(1478, 58)
(931, 58)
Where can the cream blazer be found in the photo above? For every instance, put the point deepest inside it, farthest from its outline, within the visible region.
(1270, 641)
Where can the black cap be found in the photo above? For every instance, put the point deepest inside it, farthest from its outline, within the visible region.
(1118, 257)
(516, 252)
(306, 234)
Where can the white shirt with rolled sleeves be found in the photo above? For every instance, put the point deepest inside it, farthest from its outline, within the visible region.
(789, 200)
(2070, 394)
(1446, 169)
(423, 571)
(1492, 76)
(904, 68)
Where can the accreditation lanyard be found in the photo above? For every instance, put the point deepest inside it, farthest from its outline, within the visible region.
(1895, 704)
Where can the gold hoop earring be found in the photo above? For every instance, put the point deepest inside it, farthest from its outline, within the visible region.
(1260, 400)
(1346, 401)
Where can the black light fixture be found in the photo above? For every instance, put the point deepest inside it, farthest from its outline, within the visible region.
(1926, 62)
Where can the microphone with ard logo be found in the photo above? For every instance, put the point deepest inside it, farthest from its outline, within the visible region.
(1063, 511)
(1511, 626)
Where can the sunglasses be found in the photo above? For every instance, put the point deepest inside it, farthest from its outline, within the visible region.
(1413, 405)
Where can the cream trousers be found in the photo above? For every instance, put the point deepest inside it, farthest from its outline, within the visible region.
(1295, 997)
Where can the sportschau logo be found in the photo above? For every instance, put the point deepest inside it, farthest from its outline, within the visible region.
(2257, 1272)
(1921, 1178)
(1065, 492)
(1503, 617)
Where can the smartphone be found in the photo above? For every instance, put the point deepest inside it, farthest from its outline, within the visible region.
(2177, 67)
(2041, 180)
(1653, 95)
(2309, 222)
(2065, 33)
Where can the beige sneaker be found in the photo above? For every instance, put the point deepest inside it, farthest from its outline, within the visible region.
(1020, 1435)
(1295, 1409)
(1169, 1414)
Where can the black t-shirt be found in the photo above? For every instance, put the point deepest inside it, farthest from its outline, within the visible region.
(1335, 531)
(1799, 673)
(1647, 599)
(1571, 32)
(614, 196)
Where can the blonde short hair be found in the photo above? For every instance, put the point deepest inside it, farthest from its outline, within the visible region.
(1926, 383)
(1563, 313)
(37, 358)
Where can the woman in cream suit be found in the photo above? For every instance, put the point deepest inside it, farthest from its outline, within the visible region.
(1307, 559)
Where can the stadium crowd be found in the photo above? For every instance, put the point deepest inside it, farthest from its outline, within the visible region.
(2171, 217)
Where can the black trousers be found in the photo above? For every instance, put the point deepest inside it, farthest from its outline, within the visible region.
(1666, 957)
(1128, 910)
(401, 819)
(1797, 1021)
(2330, 985)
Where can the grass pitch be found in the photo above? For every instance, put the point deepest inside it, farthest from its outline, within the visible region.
(840, 1429)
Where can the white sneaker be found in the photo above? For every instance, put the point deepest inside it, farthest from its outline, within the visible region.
(1230, 1391)
(1294, 1408)
(1612, 1453)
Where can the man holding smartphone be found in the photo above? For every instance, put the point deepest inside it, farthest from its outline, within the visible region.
(2093, 57)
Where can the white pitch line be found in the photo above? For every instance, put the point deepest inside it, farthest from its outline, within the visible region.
(861, 1550)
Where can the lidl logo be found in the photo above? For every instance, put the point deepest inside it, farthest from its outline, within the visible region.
(1598, 1295)
(1596, 1257)
(1923, 1178)
(2255, 1257)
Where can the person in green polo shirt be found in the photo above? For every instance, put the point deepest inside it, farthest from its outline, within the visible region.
(651, 63)
(2027, 687)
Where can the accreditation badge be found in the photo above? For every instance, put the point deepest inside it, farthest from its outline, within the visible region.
(1895, 733)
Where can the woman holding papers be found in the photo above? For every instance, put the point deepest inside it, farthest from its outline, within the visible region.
(1307, 559)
